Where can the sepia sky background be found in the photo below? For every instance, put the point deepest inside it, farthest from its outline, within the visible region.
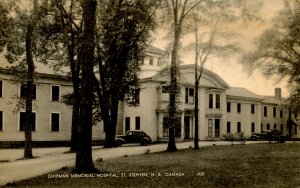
(230, 68)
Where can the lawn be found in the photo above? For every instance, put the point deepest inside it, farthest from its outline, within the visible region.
(253, 165)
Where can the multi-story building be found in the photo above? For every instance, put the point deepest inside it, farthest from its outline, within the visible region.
(222, 109)
(51, 117)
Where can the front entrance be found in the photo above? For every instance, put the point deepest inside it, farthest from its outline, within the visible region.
(187, 127)
(217, 127)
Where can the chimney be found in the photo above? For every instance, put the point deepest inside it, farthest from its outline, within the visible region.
(278, 93)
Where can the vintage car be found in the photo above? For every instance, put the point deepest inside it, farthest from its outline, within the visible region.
(135, 136)
(270, 135)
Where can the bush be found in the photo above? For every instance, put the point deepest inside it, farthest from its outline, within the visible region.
(235, 137)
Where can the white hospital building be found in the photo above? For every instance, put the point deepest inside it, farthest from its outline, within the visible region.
(222, 109)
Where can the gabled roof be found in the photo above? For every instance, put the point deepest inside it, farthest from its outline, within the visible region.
(206, 72)
(161, 76)
(41, 68)
(271, 100)
(239, 92)
(155, 50)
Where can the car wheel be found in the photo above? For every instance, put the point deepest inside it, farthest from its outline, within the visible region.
(253, 138)
(144, 143)
(118, 143)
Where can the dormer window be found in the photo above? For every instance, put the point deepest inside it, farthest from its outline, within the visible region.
(150, 60)
(159, 61)
(189, 95)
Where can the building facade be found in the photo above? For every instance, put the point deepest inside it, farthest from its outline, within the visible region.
(51, 117)
(222, 109)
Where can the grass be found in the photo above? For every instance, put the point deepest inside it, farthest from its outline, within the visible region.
(256, 165)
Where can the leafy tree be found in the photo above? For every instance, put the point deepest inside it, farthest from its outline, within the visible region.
(22, 41)
(277, 51)
(5, 24)
(71, 37)
(122, 35)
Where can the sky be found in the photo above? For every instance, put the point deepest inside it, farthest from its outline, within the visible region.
(230, 68)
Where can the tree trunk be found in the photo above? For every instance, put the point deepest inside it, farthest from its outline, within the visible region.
(29, 88)
(84, 160)
(76, 95)
(196, 114)
(111, 129)
(173, 90)
(30, 77)
(290, 124)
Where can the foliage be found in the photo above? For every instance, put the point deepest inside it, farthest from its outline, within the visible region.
(123, 34)
(238, 136)
(278, 51)
(122, 37)
(5, 24)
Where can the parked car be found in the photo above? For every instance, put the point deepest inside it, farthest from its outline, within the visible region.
(275, 135)
(133, 137)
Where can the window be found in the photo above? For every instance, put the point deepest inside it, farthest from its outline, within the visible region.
(265, 111)
(252, 127)
(218, 101)
(210, 103)
(281, 128)
(191, 92)
(137, 123)
(228, 107)
(178, 129)
(55, 93)
(159, 61)
(186, 95)
(268, 126)
(1, 120)
(189, 95)
(23, 119)
(274, 111)
(281, 114)
(55, 122)
(136, 97)
(150, 60)
(1, 85)
(24, 91)
(252, 109)
(210, 127)
(165, 127)
(127, 124)
(275, 126)
(238, 129)
(238, 107)
(165, 89)
(167, 122)
(217, 127)
(228, 127)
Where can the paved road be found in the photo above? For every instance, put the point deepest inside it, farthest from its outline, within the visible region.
(16, 170)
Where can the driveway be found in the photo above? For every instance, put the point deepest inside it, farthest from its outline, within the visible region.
(51, 159)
